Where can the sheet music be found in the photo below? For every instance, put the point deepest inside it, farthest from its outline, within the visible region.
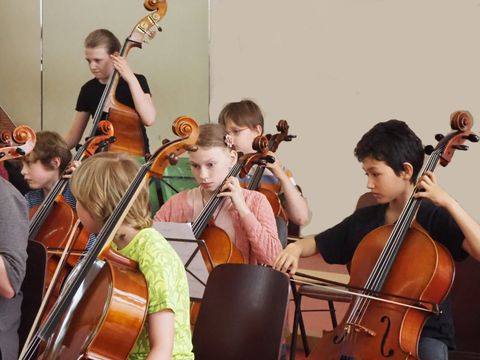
(182, 239)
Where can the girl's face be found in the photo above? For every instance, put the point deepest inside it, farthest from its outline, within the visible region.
(87, 220)
(38, 176)
(210, 166)
(385, 185)
(99, 63)
(242, 136)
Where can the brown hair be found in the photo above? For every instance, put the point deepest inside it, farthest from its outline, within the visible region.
(100, 183)
(213, 135)
(242, 113)
(48, 146)
(103, 37)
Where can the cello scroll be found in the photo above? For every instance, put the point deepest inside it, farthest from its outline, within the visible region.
(18, 143)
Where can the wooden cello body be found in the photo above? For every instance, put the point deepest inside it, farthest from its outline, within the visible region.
(103, 303)
(111, 305)
(402, 275)
(423, 270)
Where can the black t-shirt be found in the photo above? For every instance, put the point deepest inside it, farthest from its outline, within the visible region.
(337, 246)
(92, 91)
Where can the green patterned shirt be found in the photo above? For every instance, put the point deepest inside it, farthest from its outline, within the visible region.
(167, 289)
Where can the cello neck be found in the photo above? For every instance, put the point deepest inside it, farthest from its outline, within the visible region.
(202, 219)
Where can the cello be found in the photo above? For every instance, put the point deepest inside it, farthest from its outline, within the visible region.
(54, 224)
(271, 190)
(106, 296)
(402, 274)
(219, 247)
(17, 142)
(126, 121)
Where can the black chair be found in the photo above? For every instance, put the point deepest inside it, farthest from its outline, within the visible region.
(32, 287)
(318, 293)
(466, 311)
(242, 314)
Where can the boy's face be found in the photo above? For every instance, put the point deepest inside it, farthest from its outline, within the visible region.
(38, 176)
(210, 166)
(382, 181)
(242, 136)
(87, 220)
(99, 63)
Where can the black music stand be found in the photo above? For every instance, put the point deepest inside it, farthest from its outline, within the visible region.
(181, 237)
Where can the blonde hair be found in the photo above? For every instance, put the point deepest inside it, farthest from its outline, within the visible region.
(102, 180)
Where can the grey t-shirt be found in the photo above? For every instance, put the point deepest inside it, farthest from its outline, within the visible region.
(13, 250)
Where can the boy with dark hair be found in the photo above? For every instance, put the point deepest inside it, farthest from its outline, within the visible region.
(391, 156)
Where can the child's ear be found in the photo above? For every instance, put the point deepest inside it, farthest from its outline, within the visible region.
(233, 157)
(407, 172)
(259, 130)
(55, 162)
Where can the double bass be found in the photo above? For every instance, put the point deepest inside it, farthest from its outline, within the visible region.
(126, 121)
(402, 275)
(102, 307)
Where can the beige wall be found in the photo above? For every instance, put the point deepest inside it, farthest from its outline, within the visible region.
(333, 68)
(175, 62)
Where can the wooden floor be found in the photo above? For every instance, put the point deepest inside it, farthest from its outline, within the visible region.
(315, 321)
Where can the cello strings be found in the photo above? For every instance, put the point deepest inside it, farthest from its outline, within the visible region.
(202, 220)
(388, 254)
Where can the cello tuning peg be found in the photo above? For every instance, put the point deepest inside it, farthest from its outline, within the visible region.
(270, 159)
(290, 137)
(172, 159)
(460, 147)
(2, 154)
(439, 137)
(20, 151)
(429, 149)
(473, 137)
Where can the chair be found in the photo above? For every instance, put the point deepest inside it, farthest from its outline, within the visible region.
(242, 314)
(466, 311)
(32, 287)
(324, 294)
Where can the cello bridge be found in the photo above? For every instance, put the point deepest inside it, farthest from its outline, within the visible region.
(358, 328)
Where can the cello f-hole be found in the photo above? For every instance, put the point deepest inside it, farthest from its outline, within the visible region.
(384, 338)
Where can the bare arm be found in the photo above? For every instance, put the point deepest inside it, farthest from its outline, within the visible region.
(288, 259)
(6, 288)
(79, 123)
(470, 228)
(295, 204)
(143, 102)
(161, 333)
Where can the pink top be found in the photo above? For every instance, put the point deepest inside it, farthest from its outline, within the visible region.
(255, 234)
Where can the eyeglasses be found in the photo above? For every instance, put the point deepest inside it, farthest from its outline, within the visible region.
(236, 131)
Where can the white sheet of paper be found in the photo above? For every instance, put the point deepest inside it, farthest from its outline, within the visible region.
(175, 233)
